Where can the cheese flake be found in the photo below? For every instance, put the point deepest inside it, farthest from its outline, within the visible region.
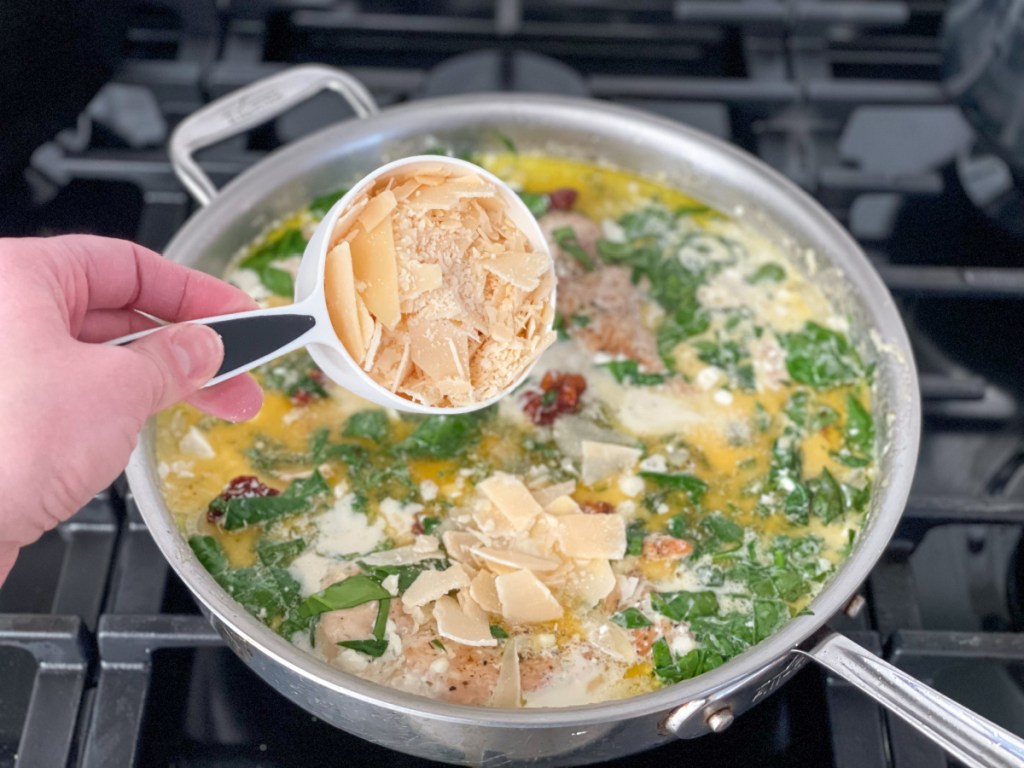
(375, 263)
(508, 494)
(592, 536)
(514, 560)
(525, 600)
(340, 292)
(602, 460)
(430, 585)
(455, 624)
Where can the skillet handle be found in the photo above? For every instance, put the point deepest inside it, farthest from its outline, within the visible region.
(253, 105)
(969, 737)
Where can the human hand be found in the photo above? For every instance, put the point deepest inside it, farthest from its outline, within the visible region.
(72, 408)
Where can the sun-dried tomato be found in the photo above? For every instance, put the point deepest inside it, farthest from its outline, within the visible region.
(242, 487)
(563, 199)
(309, 389)
(597, 508)
(659, 546)
(559, 393)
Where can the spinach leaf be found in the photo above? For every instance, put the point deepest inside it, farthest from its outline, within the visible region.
(371, 424)
(269, 593)
(322, 204)
(768, 273)
(430, 524)
(826, 497)
(684, 606)
(407, 574)
(731, 358)
(294, 374)
(265, 454)
(694, 486)
(566, 239)
(635, 533)
(297, 497)
(628, 372)
(373, 648)
(860, 428)
(538, 204)
(821, 358)
(348, 593)
(498, 633)
(443, 437)
(673, 669)
(281, 553)
(631, 618)
(277, 281)
(289, 243)
(723, 529)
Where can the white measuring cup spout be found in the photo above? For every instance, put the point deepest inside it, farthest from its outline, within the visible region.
(257, 337)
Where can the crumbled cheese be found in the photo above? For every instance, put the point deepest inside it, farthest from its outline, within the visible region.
(723, 397)
(343, 530)
(196, 444)
(654, 463)
(631, 485)
(428, 490)
(400, 517)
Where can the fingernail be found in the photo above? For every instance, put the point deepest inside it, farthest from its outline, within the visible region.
(198, 350)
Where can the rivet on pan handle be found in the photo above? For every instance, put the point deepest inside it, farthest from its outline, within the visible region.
(253, 105)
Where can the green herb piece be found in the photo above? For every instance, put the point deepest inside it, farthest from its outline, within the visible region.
(821, 358)
(498, 633)
(723, 529)
(372, 425)
(373, 648)
(265, 454)
(438, 644)
(731, 358)
(294, 375)
(407, 574)
(289, 243)
(538, 204)
(348, 593)
(323, 203)
(506, 142)
(631, 618)
(826, 497)
(568, 242)
(580, 321)
(381, 622)
(560, 326)
(635, 534)
(855, 498)
(860, 428)
(279, 553)
(444, 437)
(268, 593)
(673, 669)
(768, 273)
(694, 486)
(684, 606)
(238, 513)
(628, 372)
(430, 524)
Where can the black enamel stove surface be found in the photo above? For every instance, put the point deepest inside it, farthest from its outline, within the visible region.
(104, 659)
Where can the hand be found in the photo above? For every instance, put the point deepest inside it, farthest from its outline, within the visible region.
(72, 408)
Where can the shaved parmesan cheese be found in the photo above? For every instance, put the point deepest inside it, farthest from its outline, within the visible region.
(425, 548)
(512, 499)
(375, 263)
(563, 505)
(430, 585)
(508, 691)
(376, 209)
(525, 600)
(545, 496)
(340, 292)
(458, 544)
(601, 460)
(592, 536)
(482, 590)
(454, 624)
(592, 582)
(612, 640)
(471, 607)
(523, 270)
(516, 560)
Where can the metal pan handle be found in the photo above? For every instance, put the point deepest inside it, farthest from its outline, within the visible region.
(253, 105)
(969, 737)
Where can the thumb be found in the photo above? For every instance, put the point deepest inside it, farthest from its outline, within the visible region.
(169, 365)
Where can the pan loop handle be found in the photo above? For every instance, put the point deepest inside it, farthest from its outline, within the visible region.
(253, 105)
(970, 738)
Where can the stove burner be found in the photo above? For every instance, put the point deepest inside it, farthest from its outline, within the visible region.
(486, 71)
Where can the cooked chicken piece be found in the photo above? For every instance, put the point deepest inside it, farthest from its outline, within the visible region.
(339, 626)
(611, 304)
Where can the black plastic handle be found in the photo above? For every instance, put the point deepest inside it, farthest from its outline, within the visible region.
(247, 339)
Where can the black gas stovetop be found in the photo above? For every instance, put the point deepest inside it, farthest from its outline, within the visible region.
(104, 658)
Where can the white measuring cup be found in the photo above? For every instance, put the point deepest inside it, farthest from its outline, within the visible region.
(256, 337)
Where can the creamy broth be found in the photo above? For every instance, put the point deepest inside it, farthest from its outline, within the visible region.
(679, 476)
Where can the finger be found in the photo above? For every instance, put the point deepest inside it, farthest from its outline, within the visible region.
(168, 366)
(237, 399)
(123, 275)
(101, 325)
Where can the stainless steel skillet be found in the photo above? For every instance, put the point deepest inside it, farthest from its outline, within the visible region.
(710, 170)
